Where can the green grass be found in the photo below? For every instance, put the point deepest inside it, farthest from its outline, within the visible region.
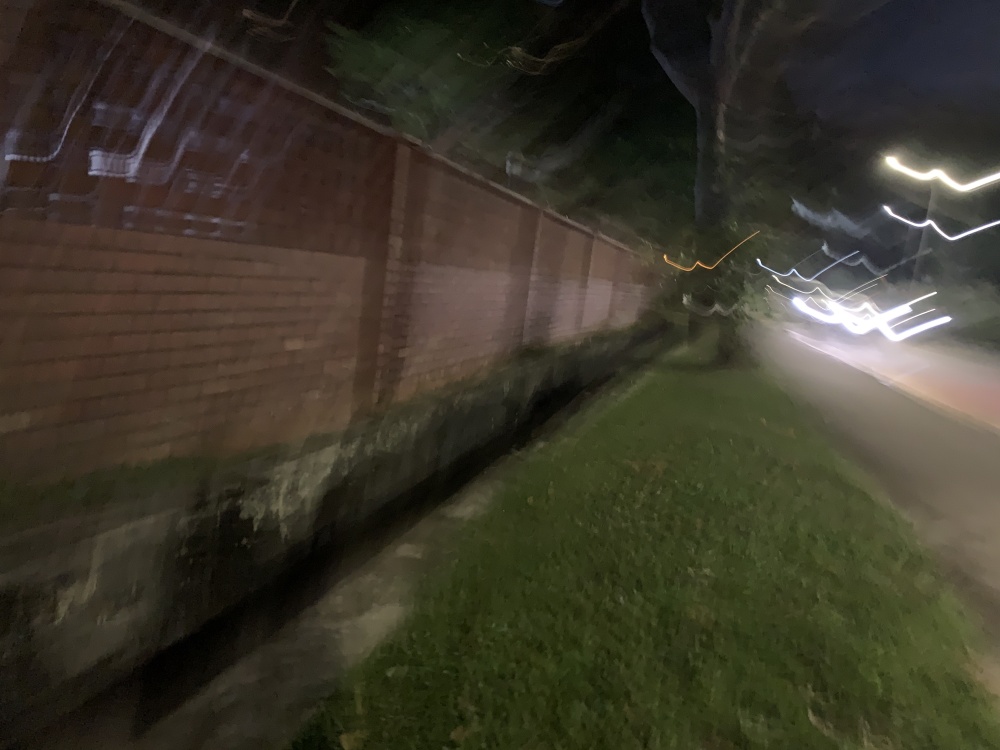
(688, 565)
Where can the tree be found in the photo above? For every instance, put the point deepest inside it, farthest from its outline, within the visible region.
(707, 46)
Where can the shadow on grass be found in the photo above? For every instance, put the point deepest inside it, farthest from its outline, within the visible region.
(702, 353)
(708, 366)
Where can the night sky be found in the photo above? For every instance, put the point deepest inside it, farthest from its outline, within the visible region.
(910, 59)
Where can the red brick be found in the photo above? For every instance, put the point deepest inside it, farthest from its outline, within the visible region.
(133, 344)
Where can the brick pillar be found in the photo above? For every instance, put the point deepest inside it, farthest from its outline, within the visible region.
(615, 281)
(404, 252)
(374, 284)
(547, 275)
(521, 260)
(588, 256)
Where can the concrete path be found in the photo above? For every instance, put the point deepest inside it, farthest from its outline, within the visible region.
(925, 423)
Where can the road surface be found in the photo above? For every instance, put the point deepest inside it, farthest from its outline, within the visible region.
(925, 423)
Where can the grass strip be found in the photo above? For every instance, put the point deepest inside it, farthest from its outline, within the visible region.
(687, 566)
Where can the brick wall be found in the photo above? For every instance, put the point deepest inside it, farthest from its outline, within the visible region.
(127, 346)
(600, 286)
(196, 258)
(558, 281)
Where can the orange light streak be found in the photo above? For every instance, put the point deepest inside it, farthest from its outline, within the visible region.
(699, 264)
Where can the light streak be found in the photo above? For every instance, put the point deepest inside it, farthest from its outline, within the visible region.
(823, 292)
(75, 104)
(856, 323)
(860, 326)
(863, 287)
(823, 317)
(110, 164)
(888, 315)
(865, 261)
(941, 176)
(936, 228)
(715, 309)
(800, 291)
(815, 276)
(920, 328)
(916, 315)
(832, 219)
(770, 289)
(699, 264)
(871, 307)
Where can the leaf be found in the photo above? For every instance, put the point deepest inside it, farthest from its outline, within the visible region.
(459, 734)
(352, 740)
(700, 615)
(467, 706)
(825, 729)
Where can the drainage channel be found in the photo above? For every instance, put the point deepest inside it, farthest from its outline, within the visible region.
(250, 677)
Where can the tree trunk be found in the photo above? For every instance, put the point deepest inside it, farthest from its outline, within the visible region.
(710, 204)
(695, 327)
(732, 349)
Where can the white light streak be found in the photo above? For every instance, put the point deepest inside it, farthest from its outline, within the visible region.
(770, 289)
(890, 314)
(860, 326)
(832, 219)
(109, 164)
(936, 228)
(871, 267)
(916, 315)
(821, 289)
(864, 287)
(794, 272)
(941, 176)
(920, 328)
(715, 309)
(73, 108)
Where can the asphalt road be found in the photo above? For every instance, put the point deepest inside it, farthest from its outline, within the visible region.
(940, 463)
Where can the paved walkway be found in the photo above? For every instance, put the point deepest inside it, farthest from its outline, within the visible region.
(942, 471)
(961, 380)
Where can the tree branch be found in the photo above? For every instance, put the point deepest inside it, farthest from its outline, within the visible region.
(680, 49)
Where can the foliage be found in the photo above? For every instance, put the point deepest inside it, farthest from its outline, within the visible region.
(423, 65)
(657, 577)
(432, 66)
(640, 174)
(737, 281)
(438, 69)
(729, 59)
